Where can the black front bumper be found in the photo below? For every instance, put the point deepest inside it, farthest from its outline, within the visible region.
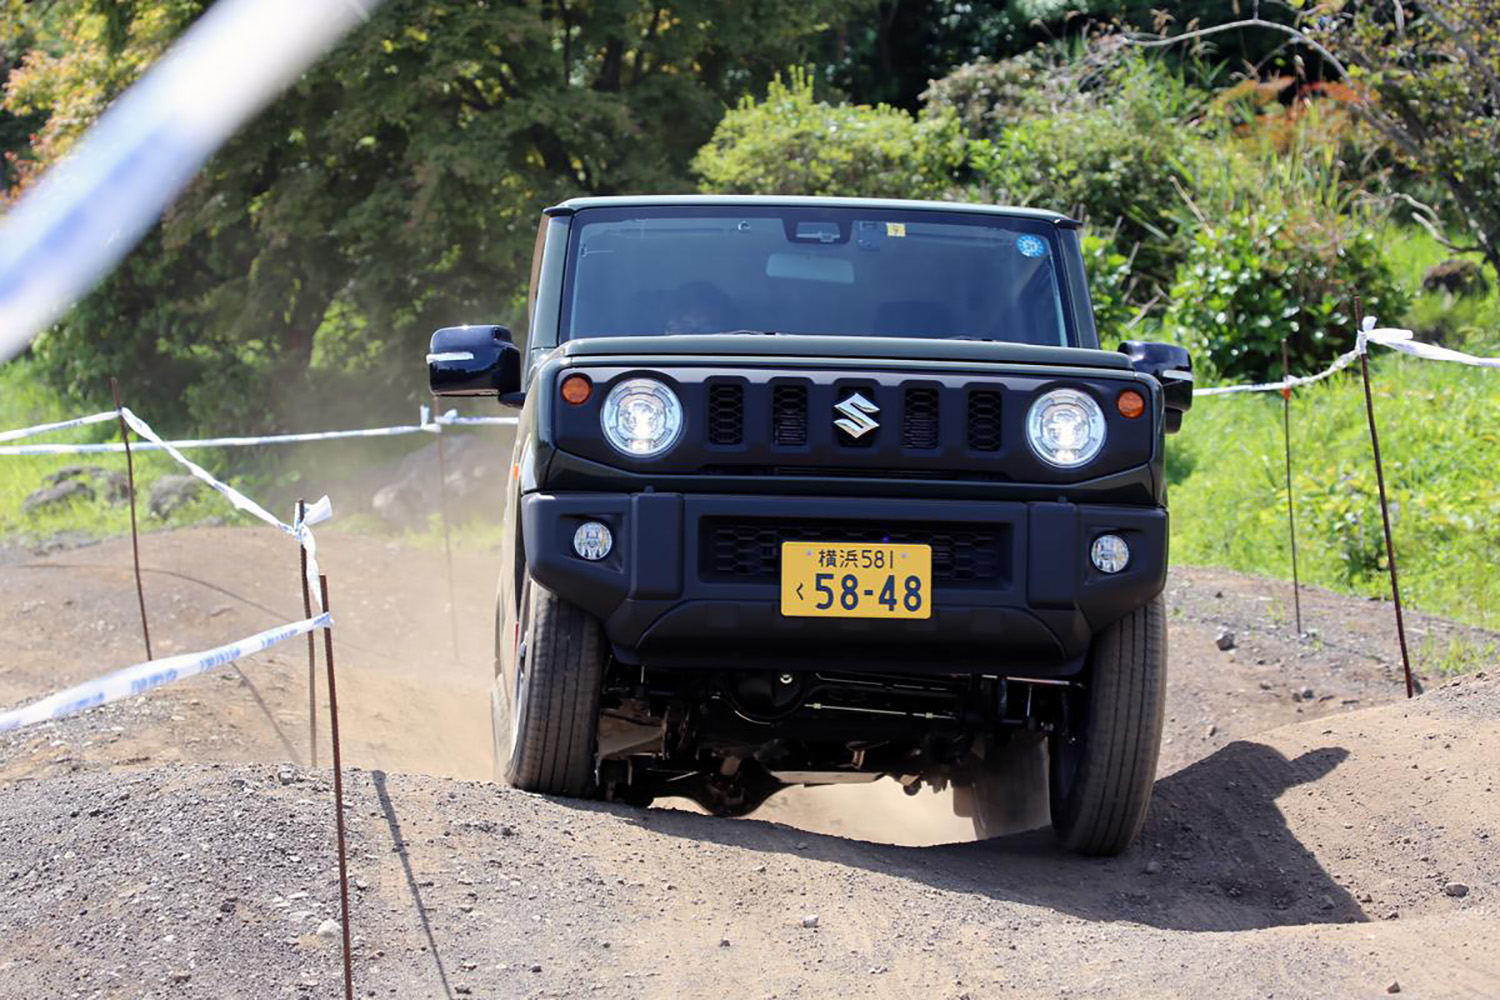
(692, 580)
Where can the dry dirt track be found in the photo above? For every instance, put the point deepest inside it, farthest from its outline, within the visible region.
(152, 848)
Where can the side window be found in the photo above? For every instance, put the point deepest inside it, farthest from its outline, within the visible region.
(536, 275)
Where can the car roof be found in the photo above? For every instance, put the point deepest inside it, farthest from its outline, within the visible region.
(798, 201)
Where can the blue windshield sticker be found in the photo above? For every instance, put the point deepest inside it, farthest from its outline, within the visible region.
(1031, 246)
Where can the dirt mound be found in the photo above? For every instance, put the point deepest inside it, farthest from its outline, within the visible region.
(213, 881)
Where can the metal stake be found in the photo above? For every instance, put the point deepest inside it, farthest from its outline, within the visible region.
(1291, 517)
(447, 543)
(135, 541)
(1385, 514)
(338, 796)
(312, 652)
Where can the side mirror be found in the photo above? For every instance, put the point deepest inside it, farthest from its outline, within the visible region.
(474, 361)
(1170, 365)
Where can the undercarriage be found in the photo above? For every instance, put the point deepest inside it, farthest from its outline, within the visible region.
(729, 739)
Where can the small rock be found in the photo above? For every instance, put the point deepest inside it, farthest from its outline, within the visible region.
(169, 493)
(328, 929)
(286, 776)
(1212, 729)
(810, 921)
(1456, 889)
(723, 942)
(181, 976)
(1395, 987)
(1306, 693)
(1153, 867)
(536, 968)
(54, 496)
(1224, 640)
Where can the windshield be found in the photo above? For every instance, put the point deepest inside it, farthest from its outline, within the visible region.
(850, 272)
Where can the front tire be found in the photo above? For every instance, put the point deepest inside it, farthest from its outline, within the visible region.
(546, 713)
(1102, 771)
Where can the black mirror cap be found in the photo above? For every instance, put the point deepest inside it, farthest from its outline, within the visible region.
(474, 361)
(1170, 365)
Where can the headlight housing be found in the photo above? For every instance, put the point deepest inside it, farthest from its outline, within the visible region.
(641, 417)
(1065, 428)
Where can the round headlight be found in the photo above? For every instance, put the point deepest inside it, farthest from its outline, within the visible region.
(1065, 428)
(641, 417)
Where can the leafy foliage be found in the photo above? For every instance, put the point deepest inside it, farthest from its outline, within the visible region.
(1119, 157)
(395, 187)
(1428, 76)
(792, 143)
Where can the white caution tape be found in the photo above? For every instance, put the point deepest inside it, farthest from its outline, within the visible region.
(1395, 339)
(61, 425)
(300, 531)
(427, 425)
(1401, 340)
(1343, 361)
(142, 677)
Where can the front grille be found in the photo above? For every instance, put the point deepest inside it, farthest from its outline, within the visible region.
(919, 419)
(789, 415)
(750, 548)
(726, 413)
(984, 420)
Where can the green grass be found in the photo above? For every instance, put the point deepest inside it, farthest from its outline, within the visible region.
(1440, 435)
(23, 402)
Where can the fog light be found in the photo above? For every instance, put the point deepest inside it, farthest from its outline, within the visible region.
(593, 541)
(1110, 553)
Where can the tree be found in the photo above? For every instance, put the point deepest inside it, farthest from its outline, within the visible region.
(792, 143)
(396, 187)
(1425, 75)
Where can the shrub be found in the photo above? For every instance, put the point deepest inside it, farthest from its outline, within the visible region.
(1119, 160)
(792, 143)
(1260, 274)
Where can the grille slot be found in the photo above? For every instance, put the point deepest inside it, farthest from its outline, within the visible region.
(984, 420)
(750, 548)
(726, 413)
(789, 415)
(919, 419)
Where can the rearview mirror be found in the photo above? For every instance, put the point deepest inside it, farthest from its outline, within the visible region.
(474, 361)
(1170, 365)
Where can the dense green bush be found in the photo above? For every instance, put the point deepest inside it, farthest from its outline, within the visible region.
(1258, 275)
(792, 143)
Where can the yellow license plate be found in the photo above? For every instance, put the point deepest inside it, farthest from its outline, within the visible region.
(849, 580)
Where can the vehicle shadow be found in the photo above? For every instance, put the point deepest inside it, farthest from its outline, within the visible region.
(1216, 853)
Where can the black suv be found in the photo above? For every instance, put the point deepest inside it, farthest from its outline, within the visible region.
(810, 490)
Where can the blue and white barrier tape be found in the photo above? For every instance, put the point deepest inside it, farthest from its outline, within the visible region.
(88, 210)
(428, 425)
(142, 677)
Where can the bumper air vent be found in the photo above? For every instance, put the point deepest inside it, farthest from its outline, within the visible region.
(749, 549)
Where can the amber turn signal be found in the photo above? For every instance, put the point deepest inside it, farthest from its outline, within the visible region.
(1131, 404)
(577, 389)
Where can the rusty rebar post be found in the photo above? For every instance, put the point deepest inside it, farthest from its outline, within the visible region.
(1291, 517)
(312, 649)
(447, 543)
(1385, 513)
(338, 796)
(135, 540)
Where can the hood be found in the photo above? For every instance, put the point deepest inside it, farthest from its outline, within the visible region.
(757, 347)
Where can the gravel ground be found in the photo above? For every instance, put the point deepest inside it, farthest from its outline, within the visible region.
(1317, 860)
(1312, 834)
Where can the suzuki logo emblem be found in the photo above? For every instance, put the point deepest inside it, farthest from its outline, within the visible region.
(856, 420)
